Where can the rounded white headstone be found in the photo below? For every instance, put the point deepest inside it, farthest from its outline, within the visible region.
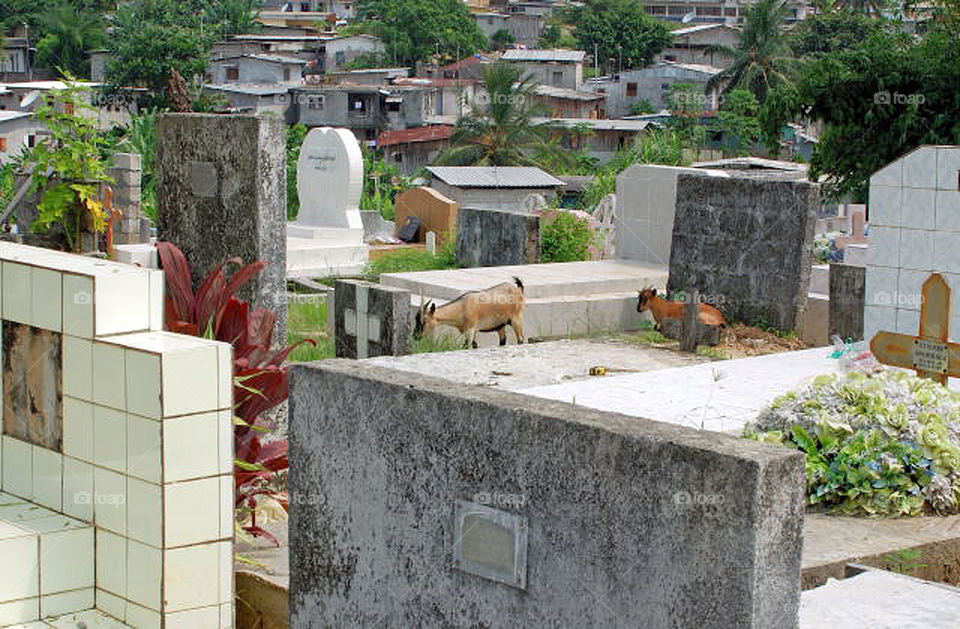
(330, 179)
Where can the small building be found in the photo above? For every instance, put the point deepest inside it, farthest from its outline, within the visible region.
(716, 11)
(597, 138)
(493, 187)
(452, 96)
(409, 150)
(556, 68)
(257, 69)
(693, 45)
(490, 23)
(566, 103)
(526, 28)
(18, 130)
(471, 67)
(368, 76)
(339, 52)
(296, 18)
(15, 63)
(653, 85)
(254, 98)
(108, 110)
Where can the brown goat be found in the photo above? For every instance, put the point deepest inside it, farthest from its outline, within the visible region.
(663, 309)
(490, 310)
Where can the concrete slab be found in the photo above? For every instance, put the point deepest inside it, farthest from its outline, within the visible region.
(876, 598)
(719, 396)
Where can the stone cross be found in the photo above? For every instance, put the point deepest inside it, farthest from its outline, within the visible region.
(929, 353)
(361, 324)
(371, 320)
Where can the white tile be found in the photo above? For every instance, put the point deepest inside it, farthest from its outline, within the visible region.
(46, 299)
(916, 249)
(885, 206)
(225, 550)
(190, 382)
(190, 577)
(143, 383)
(191, 512)
(879, 318)
(110, 501)
(17, 467)
(21, 512)
(24, 581)
(142, 618)
(78, 305)
(884, 247)
(111, 564)
(14, 612)
(225, 375)
(144, 512)
(946, 252)
(203, 617)
(78, 489)
(948, 168)
(907, 321)
(190, 447)
(226, 506)
(132, 289)
(881, 285)
(144, 448)
(78, 429)
(157, 282)
(889, 175)
(17, 293)
(920, 168)
(225, 447)
(67, 560)
(8, 531)
(144, 574)
(948, 210)
(47, 478)
(110, 438)
(109, 375)
(226, 616)
(78, 367)
(918, 209)
(111, 605)
(66, 602)
(910, 289)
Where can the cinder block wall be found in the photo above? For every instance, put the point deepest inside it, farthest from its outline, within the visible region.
(630, 522)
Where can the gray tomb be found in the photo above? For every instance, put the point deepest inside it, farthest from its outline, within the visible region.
(222, 193)
(847, 300)
(587, 519)
(497, 238)
(371, 320)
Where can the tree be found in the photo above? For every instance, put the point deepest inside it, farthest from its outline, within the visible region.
(619, 32)
(501, 40)
(763, 58)
(738, 120)
(831, 31)
(416, 30)
(70, 33)
(500, 130)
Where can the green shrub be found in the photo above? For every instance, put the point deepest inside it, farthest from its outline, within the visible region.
(564, 237)
(410, 260)
(887, 444)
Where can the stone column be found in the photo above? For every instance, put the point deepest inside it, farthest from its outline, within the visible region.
(126, 173)
(222, 193)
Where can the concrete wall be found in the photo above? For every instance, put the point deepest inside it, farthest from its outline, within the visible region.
(251, 70)
(344, 51)
(510, 199)
(652, 84)
(747, 243)
(526, 29)
(570, 74)
(15, 132)
(488, 237)
(630, 522)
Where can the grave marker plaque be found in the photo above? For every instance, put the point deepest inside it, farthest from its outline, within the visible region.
(371, 320)
(491, 544)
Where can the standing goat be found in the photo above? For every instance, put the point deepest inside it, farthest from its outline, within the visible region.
(663, 309)
(490, 310)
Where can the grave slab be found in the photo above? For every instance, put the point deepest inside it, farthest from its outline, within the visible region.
(487, 237)
(371, 320)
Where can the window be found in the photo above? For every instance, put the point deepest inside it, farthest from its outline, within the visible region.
(631, 89)
(398, 158)
(68, 109)
(730, 12)
(393, 106)
(315, 103)
(340, 58)
(31, 140)
(286, 74)
(669, 57)
(3, 145)
(305, 7)
(357, 105)
(233, 74)
(558, 78)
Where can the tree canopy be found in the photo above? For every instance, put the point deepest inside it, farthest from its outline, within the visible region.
(619, 32)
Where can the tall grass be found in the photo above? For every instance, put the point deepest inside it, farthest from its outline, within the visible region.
(308, 320)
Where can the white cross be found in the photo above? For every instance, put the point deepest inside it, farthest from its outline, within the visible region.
(358, 323)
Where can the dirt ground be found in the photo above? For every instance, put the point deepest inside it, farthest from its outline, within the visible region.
(737, 341)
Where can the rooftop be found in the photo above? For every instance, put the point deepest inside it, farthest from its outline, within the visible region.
(566, 93)
(558, 55)
(494, 177)
(13, 115)
(45, 85)
(689, 30)
(417, 134)
(599, 125)
(252, 89)
(267, 58)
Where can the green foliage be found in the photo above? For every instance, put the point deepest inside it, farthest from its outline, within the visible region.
(641, 107)
(411, 260)
(881, 445)
(501, 40)
(564, 237)
(416, 30)
(439, 341)
(307, 319)
(295, 136)
(382, 183)
(619, 31)
(69, 166)
(738, 120)
(71, 31)
(140, 137)
(904, 561)
(499, 130)
(833, 31)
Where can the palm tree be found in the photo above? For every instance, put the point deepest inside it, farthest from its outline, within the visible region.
(70, 33)
(501, 130)
(763, 56)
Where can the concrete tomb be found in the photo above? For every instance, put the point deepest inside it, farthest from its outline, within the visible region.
(497, 238)
(436, 212)
(327, 237)
(371, 320)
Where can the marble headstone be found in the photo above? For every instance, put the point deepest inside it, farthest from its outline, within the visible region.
(330, 179)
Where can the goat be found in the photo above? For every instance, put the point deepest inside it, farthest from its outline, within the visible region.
(490, 310)
(663, 309)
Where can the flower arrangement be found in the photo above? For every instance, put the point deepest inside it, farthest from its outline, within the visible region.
(885, 444)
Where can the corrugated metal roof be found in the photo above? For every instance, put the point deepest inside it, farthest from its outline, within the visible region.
(494, 177)
(13, 115)
(698, 28)
(565, 56)
(567, 94)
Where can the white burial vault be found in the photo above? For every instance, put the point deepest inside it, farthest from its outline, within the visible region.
(327, 237)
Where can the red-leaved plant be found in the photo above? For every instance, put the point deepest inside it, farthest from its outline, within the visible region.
(260, 377)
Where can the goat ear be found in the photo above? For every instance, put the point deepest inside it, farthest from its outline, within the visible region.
(433, 307)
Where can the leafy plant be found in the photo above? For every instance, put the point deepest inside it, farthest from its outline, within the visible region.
(382, 183)
(411, 260)
(260, 377)
(904, 561)
(69, 166)
(296, 134)
(564, 236)
(882, 445)
(141, 137)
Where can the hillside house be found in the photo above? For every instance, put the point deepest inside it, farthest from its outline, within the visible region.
(693, 45)
(504, 188)
(556, 68)
(412, 149)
